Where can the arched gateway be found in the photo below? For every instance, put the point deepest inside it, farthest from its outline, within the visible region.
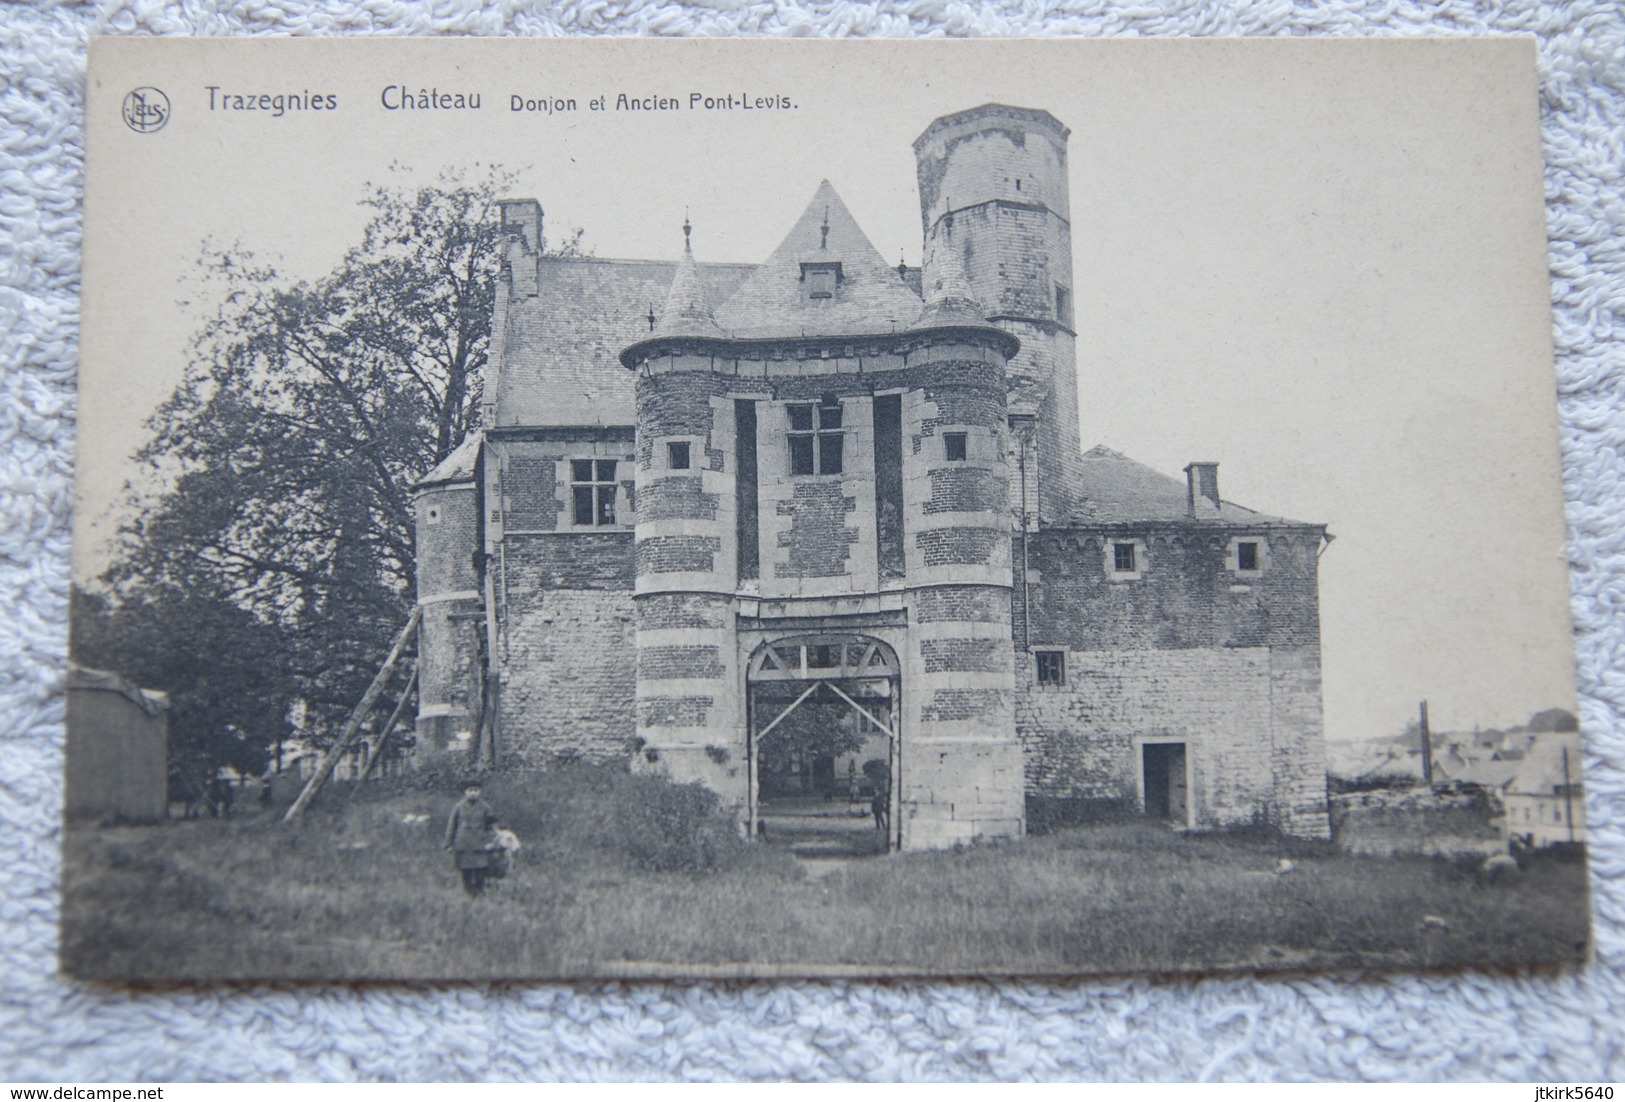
(823, 715)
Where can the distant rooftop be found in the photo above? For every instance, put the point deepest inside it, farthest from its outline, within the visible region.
(1117, 490)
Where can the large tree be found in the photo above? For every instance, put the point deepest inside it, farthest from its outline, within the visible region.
(280, 469)
(226, 672)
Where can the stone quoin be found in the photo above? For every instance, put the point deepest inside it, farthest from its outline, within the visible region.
(703, 494)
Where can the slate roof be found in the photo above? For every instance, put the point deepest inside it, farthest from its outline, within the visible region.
(687, 312)
(457, 466)
(561, 366)
(1117, 490)
(773, 302)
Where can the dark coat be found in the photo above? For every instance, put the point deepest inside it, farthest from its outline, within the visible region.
(469, 832)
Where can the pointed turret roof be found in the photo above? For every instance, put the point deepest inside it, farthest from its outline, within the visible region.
(687, 312)
(869, 296)
(458, 466)
(948, 297)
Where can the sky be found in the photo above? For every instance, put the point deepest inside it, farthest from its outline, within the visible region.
(1321, 264)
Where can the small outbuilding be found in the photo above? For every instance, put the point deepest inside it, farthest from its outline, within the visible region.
(118, 749)
(1544, 802)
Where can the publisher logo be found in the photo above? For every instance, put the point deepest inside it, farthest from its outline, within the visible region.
(146, 110)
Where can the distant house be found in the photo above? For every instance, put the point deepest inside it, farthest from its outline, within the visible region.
(1543, 800)
(1489, 774)
(118, 756)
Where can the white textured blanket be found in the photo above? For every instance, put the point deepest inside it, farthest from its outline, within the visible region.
(1542, 1027)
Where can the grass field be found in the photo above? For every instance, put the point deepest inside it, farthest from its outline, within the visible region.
(361, 889)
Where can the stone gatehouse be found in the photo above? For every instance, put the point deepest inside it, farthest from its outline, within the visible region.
(830, 495)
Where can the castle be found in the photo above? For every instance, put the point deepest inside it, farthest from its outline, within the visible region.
(825, 486)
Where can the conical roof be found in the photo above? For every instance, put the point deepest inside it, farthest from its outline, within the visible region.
(948, 297)
(868, 297)
(687, 312)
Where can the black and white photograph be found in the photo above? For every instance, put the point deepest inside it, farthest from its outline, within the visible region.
(720, 509)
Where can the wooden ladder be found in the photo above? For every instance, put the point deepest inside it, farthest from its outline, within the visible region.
(352, 726)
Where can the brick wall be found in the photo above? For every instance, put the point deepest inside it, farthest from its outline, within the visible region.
(1186, 595)
(528, 481)
(677, 555)
(822, 529)
(676, 497)
(568, 634)
(678, 403)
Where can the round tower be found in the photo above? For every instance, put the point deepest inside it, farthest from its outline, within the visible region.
(994, 192)
(961, 769)
(687, 708)
(448, 586)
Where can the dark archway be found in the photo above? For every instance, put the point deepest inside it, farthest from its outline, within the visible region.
(824, 724)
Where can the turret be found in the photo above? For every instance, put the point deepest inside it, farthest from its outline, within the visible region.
(450, 658)
(993, 197)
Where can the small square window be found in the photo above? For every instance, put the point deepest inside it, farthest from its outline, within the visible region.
(953, 445)
(1246, 555)
(1123, 558)
(677, 455)
(1051, 667)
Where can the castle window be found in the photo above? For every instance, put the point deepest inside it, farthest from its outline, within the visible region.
(1247, 555)
(1063, 305)
(820, 278)
(1051, 666)
(677, 455)
(592, 489)
(1125, 560)
(815, 437)
(953, 445)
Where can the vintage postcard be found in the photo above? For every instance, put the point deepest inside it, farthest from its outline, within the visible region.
(597, 508)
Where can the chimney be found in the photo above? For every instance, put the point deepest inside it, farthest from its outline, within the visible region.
(1201, 481)
(522, 242)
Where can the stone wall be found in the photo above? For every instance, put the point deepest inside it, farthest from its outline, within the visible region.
(993, 188)
(1249, 718)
